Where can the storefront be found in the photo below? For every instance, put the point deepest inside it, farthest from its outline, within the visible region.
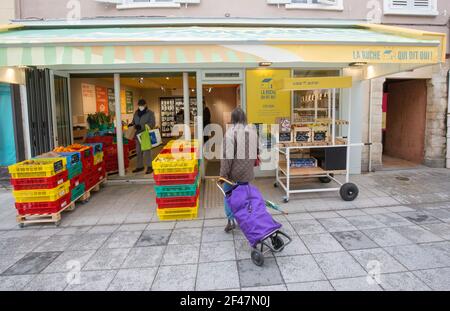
(94, 68)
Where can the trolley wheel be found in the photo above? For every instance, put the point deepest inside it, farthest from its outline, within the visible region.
(277, 243)
(285, 199)
(349, 192)
(257, 257)
(275, 185)
(21, 225)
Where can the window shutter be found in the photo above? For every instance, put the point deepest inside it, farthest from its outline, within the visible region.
(422, 4)
(328, 2)
(399, 4)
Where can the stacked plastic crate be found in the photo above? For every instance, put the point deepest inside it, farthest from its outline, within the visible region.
(110, 152)
(97, 173)
(177, 181)
(41, 186)
(75, 174)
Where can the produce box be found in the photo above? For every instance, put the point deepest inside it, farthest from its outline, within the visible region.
(37, 168)
(40, 183)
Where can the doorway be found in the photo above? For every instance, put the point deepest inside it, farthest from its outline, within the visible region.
(220, 100)
(404, 121)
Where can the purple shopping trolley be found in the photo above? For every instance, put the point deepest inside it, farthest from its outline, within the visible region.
(250, 210)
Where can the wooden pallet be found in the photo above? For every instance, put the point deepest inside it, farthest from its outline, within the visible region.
(55, 218)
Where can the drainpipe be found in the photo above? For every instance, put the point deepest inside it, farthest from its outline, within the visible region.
(448, 120)
(370, 126)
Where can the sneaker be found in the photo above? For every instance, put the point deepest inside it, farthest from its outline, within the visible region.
(230, 226)
(149, 171)
(138, 170)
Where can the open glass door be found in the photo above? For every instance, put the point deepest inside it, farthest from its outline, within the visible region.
(62, 119)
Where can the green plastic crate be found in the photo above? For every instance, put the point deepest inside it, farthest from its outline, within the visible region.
(177, 190)
(77, 192)
(75, 170)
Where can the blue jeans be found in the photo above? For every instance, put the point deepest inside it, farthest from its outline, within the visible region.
(228, 212)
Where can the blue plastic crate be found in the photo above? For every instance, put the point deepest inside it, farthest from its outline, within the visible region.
(97, 147)
(73, 158)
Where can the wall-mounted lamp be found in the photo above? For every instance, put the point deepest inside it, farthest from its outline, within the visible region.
(265, 64)
(357, 64)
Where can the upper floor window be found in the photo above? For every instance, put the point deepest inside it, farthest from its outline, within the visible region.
(336, 5)
(137, 4)
(411, 7)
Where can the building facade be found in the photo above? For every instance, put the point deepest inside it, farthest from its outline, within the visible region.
(385, 108)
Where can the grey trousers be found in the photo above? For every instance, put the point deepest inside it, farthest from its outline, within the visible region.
(143, 155)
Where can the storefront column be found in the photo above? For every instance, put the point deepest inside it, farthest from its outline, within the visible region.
(200, 120)
(187, 113)
(118, 125)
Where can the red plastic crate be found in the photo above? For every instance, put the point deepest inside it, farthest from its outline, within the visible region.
(39, 183)
(175, 179)
(132, 144)
(39, 208)
(105, 140)
(175, 202)
(74, 182)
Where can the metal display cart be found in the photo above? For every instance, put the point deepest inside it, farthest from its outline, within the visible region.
(285, 174)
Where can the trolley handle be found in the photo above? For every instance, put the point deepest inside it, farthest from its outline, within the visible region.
(221, 181)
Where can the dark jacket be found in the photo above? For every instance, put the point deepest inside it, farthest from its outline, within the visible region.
(147, 118)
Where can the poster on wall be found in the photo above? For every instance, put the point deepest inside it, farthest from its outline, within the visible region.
(264, 104)
(111, 101)
(123, 102)
(101, 95)
(129, 101)
(88, 98)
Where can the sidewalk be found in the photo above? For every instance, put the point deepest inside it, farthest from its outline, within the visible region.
(400, 226)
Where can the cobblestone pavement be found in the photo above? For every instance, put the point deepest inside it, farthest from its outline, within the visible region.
(399, 227)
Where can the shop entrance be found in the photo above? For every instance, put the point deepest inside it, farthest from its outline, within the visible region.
(404, 119)
(219, 102)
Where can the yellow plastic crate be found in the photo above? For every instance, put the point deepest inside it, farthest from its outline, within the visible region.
(36, 168)
(174, 164)
(183, 143)
(98, 158)
(178, 213)
(43, 195)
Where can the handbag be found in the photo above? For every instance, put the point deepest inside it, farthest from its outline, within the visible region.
(144, 139)
(130, 133)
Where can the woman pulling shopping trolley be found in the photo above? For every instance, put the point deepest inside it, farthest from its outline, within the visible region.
(243, 202)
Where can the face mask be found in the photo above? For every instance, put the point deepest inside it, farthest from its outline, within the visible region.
(141, 108)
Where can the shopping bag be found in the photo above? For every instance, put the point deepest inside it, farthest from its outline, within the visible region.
(144, 139)
(130, 133)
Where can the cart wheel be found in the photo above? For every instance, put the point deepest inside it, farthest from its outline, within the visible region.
(285, 200)
(275, 185)
(21, 225)
(257, 257)
(277, 243)
(85, 201)
(349, 192)
(325, 180)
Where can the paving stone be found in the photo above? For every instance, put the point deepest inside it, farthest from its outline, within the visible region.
(302, 268)
(293, 217)
(375, 210)
(442, 214)
(296, 247)
(403, 281)
(217, 251)
(419, 218)
(386, 237)
(93, 281)
(215, 234)
(154, 238)
(48, 282)
(392, 220)
(238, 235)
(321, 243)
(364, 283)
(68, 259)
(7, 260)
(353, 240)
(124, 239)
(217, 275)
(73, 230)
(399, 209)
(143, 257)
(417, 234)
(377, 257)
(175, 278)
(89, 241)
(32, 263)
(189, 224)
(14, 282)
(215, 223)
(351, 212)
(319, 286)
(437, 279)
(272, 288)
(365, 222)
(166, 225)
(186, 236)
(339, 265)
(103, 229)
(324, 215)
(133, 280)
(439, 229)
(181, 254)
(308, 226)
(57, 243)
(251, 275)
(20, 245)
(133, 227)
(418, 257)
(337, 224)
(107, 258)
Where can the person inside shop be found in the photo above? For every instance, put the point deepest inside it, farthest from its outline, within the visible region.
(142, 117)
(179, 117)
(240, 156)
(206, 120)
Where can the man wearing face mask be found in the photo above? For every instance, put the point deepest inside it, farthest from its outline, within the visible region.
(143, 116)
